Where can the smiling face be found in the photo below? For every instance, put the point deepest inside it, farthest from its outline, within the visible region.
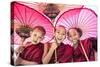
(74, 35)
(60, 34)
(37, 35)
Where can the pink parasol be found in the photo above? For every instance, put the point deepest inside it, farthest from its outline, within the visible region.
(39, 6)
(83, 18)
(26, 16)
(42, 6)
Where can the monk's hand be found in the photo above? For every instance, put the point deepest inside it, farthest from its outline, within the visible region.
(54, 45)
(19, 49)
(57, 62)
(22, 41)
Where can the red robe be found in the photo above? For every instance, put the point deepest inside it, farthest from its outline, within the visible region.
(64, 54)
(78, 54)
(33, 53)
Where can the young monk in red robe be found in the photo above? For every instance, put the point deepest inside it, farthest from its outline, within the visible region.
(32, 52)
(83, 50)
(57, 51)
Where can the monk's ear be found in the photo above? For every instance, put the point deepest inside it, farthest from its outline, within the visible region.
(66, 34)
(54, 32)
(67, 37)
(43, 37)
(30, 32)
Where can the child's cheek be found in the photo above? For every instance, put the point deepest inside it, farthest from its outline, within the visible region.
(56, 35)
(70, 39)
(39, 40)
(32, 37)
(64, 36)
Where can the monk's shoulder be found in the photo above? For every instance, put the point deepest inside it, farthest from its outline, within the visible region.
(68, 47)
(86, 40)
(87, 44)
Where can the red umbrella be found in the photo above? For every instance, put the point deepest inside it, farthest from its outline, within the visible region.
(83, 18)
(28, 17)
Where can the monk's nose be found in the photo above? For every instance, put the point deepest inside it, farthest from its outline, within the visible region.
(36, 39)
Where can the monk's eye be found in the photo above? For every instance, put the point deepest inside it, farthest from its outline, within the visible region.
(74, 34)
(70, 36)
(35, 35)
(40, 37)
(63, 34)
(58, 32)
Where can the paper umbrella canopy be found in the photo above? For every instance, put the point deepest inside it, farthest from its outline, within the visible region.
(25, 16)
(82, 18)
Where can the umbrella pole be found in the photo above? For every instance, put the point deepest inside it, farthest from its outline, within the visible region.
(55, 51)
(84, 52)
(23, 39)
(55, 56)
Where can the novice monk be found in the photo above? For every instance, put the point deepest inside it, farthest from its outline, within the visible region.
(57, 51)
(83, 50)
(32, 52)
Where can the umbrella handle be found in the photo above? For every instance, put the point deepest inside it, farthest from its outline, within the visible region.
(22, 40)
(55, 56)
(84, 52)
(56, 51)
(18, 55)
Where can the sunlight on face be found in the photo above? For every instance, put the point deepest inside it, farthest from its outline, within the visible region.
(36, 36)
(73, 36)
(60, 34)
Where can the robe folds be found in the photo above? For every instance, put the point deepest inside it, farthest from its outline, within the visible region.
(33, 53)
(78, 54)
(64, 54)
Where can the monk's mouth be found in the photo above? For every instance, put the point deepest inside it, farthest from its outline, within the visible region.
(59, 39)
(74, 41)
(34, 42)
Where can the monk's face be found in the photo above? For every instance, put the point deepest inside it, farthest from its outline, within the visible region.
(73, 36)
(60, 34)
(36, 36)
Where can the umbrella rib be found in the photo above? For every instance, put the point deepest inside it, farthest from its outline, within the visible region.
(30, 17)
(34, 20)
(67, 21)
(18, 18)
(73, 19)
(90, 34)
(90, 20)
(81, 16)
(20, 14)
(86, 18)
(25, 16)
(70, 22)
(77, 18)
